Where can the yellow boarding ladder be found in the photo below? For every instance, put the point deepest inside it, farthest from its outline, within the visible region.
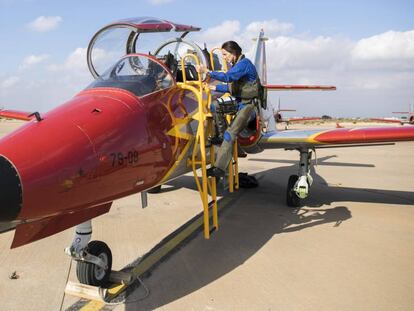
(198, 159)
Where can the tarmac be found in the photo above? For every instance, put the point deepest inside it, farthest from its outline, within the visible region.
(351, 247)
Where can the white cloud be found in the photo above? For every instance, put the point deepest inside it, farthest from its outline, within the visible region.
(45, 23)
(273, 28)
(368, 73)
(215, 36)
(33, 60)
(77, 59)
(9, 82)
(393, 50)
(314, 53)
(43, 88)
(386, 46)
(160, 2)
(75, 62)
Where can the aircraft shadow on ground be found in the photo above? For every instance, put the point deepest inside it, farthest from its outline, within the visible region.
(320, 161)
(321, 192)
(246, 225)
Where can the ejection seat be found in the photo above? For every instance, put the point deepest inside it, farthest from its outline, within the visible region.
(191, 73)
(175, 67)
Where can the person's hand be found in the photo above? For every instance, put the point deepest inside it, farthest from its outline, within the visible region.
(201, 68)
(211, 87)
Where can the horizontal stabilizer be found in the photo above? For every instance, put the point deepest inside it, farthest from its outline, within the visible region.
(303, 119)
(16, 115)
(36, 230)
(279, 110)
(386, 120)
(271, 87)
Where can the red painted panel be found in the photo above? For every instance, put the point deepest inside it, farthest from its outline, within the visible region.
(299, 87)
(33, 231)
(364, 135)
(161, 26)
(252, 139)
(101, 145)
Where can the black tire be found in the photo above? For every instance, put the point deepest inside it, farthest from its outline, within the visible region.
(156, 189)
(90, 274)
(292, 199)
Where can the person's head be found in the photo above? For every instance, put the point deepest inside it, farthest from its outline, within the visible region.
(231, 51)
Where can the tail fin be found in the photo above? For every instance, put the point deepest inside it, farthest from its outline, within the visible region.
(260, 64)
(260, 57)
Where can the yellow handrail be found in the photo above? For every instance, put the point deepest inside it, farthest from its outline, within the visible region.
(207, 185)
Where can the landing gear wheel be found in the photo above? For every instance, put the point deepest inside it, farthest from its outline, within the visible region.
(156, 189)
(292, 199)
(91, 274)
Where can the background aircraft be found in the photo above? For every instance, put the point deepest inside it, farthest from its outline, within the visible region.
(280, 119)
(406, 118)
(136, 127)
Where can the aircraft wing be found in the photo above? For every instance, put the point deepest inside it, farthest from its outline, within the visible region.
(274, 87)
(386, 120)
(303, 119)
(17, 115)
(338, 137)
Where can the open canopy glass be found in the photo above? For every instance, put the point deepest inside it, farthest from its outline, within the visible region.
(115, 40)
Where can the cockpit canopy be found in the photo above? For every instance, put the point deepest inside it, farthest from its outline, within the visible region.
(137, 73)
(129, 36)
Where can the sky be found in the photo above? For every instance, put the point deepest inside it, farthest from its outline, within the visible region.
(364, 48)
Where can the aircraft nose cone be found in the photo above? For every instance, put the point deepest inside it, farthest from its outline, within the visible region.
(10, 191)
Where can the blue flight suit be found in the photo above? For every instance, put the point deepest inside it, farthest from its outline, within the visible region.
(243, 70)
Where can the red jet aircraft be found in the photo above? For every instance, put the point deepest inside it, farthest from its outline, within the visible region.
(132, 129)
(406, 118)
(280, 119)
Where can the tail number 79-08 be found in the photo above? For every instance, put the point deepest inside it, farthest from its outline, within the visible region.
(128, 158)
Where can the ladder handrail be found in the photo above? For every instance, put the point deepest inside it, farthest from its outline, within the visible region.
(212, 60)
(207, 185)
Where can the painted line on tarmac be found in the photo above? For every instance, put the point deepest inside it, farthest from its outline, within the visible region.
(154, 257)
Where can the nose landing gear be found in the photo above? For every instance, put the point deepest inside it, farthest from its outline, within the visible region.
(298, 187)
(93, 259)
(95, 272)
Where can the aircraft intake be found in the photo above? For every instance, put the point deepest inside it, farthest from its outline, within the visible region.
(10, 191)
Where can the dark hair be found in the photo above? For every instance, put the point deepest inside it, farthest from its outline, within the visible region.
(232, 47)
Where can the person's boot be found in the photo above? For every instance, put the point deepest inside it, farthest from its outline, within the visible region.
(240, 152)
(215, 172)
(216, 140)
(220, 128)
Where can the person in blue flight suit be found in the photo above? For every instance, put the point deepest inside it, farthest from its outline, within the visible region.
(243, 84)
